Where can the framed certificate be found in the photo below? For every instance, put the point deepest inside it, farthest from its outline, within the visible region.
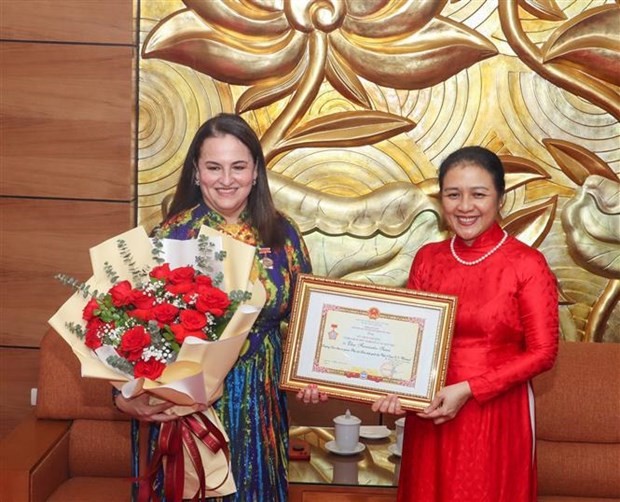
(359, 341)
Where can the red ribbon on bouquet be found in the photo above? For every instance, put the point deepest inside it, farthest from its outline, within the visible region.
(173, 436)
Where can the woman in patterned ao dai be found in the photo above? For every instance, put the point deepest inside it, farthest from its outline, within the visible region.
(475, 441)
(224, 185)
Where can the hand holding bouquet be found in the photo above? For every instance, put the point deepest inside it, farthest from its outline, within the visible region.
(171, 321)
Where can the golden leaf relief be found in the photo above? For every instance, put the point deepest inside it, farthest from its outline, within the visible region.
(389, 210)
(563, 298)
(416, 60)
(589, 42)
(271, 90)
(591, 223)
(230, 57)
(520, 171)
(345, 81)
(577, 162)
(543, 9)
(582, 80)
(392, 19)
(238, 17)
(346, 129)
(532, 224)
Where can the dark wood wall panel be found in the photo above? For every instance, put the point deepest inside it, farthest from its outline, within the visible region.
(67, 121)
(40, 239)
(19, 371)
(89, 21)
(67, 181)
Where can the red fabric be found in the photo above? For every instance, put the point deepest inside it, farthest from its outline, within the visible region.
(174, 436)
(506, 332)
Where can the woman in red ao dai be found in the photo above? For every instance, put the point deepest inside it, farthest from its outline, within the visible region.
(475, 441)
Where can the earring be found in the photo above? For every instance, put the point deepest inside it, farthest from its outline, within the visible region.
(196, 182)
(254, 182)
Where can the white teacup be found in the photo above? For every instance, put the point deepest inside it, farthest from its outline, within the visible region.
(400, 432)
(347, 432)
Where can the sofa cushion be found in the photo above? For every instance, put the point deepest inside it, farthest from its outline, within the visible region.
(100, 448)
(93, 489)
(63, 393)
(579, 399)
(578, 469)
(578, 422)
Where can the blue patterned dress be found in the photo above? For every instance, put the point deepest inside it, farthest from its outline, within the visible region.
(253, 409)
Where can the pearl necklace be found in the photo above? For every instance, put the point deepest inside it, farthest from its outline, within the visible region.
(482, 258)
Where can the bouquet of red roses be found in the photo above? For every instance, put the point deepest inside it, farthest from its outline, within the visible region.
(168, 318)
(146, 324)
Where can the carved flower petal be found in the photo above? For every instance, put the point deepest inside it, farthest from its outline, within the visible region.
(543, 9)
(345, 81)
(389, 210)
(346, 129)
(590, 221)
(182, 38)
(239, 18)
(531, 225)
(269, 91)
(440, 50)
(577, 162)
(590, 42)
(394, 18)
(365, 8)
(520, 171)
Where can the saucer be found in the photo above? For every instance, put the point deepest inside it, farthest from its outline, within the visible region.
(394, 450)
(374, 431)
(331, 446)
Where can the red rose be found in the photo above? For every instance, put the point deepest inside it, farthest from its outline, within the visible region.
(145, 315)
(150, 369)
(204, 280)
(165, 312)
(180, 333)
(121, 294)
(93, 340)
(89, 311)
(214, 301)
(161, 271)
(181, 289)
(141, 299)
(192, 320)
(181, 274)
(94, 325)
(133, 342)
(93, 332)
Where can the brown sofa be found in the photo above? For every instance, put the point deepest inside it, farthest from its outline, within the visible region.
(578, 424)
(77, 446)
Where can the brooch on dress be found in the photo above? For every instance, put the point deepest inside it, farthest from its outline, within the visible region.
(266, 260)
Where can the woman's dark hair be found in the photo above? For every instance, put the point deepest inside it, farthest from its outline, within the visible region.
(479, 156)
(262, 212)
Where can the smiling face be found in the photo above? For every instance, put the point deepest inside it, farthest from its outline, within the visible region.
(226, 172)
(470, 200)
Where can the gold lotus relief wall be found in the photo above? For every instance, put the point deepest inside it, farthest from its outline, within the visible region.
(356, 103)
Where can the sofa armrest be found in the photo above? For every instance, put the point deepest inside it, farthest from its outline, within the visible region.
(34, 459)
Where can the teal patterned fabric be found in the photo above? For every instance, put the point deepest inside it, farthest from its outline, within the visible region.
(252, 409)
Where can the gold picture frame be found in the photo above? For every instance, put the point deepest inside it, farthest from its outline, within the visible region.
(360, 341)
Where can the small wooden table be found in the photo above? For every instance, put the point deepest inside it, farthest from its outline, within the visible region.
(371, 475)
